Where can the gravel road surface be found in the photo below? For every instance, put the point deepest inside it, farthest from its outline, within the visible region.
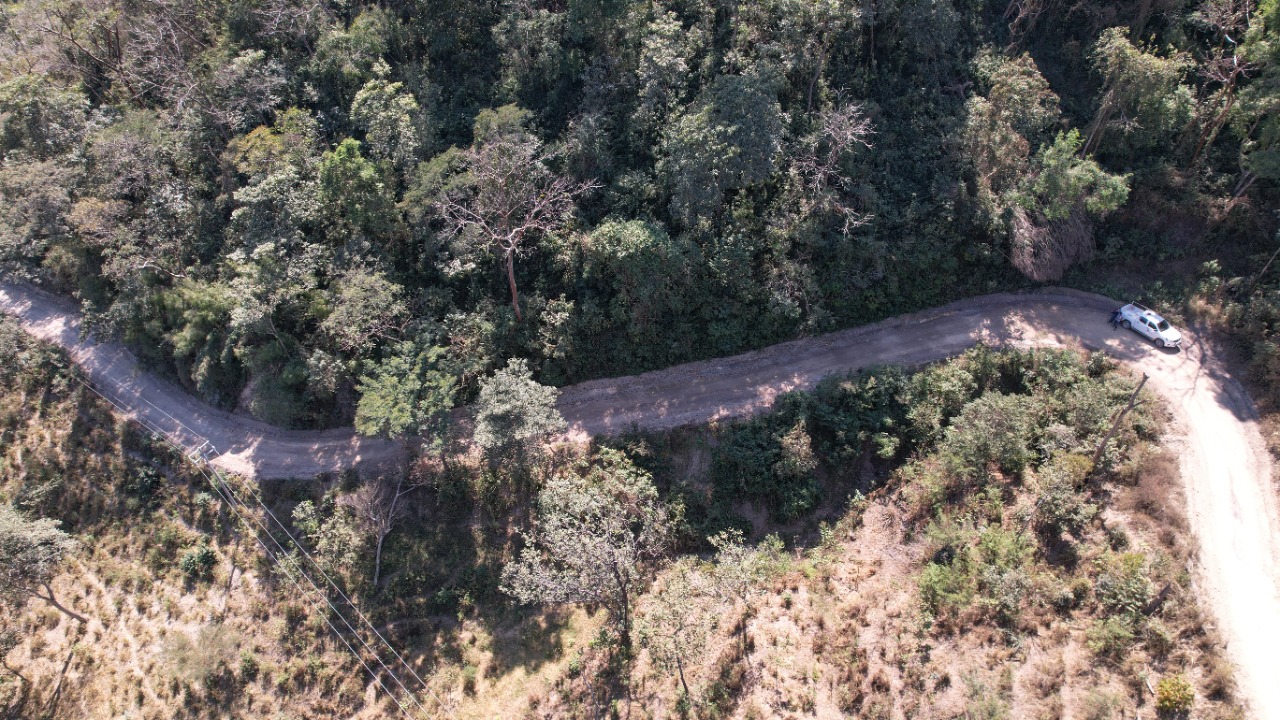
(1226, 469)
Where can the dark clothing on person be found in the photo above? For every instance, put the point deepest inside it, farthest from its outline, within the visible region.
(1115, 318)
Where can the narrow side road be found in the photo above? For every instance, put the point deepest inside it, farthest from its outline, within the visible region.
(1226, 469)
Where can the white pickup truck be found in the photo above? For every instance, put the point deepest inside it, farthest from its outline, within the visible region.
(1147, 323)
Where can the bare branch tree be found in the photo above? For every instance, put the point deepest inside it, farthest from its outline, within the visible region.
(818, 157)
(377, 505)
(1225, 66)
(508, 196)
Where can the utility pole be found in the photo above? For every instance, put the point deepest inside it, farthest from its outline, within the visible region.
(1133, 403)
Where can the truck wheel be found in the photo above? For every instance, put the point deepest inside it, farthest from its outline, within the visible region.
(1127, 325)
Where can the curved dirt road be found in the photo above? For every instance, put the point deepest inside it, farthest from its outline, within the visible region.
(1226, 470)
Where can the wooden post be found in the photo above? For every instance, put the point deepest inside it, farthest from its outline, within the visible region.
(1133, 402)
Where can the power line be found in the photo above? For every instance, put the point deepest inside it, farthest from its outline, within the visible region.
(227, 493)
(292, 578)
(234, 501)
(224, 491)
(267, 532)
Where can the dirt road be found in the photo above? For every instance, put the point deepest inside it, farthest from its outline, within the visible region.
(1225, 467)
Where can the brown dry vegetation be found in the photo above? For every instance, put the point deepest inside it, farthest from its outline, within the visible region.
(158, 643)
(840, 630)
(843, 631)
(240, 641)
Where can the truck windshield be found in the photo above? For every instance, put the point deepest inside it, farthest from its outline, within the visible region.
(1162, 325)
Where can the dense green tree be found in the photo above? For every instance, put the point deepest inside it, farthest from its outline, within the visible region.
(204, 177)
(33, 216)
(1064, 181)
(728, 139)
(668, 52)
(31, 554)
(347, 58)
(137, 209)
(353, 193)
(395, 127)
(649, 278)
(513, 408)
(407, 394)
(39, 120)
(599, 532)
(367, 308)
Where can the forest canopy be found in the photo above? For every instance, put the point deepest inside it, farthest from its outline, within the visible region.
(287, 205)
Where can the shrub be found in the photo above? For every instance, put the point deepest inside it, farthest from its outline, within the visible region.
(1111, 637)
(994, 428)
(200, 659)
(1122, 586)
(1174, 694)
(934, 396)
(769, 460)
(197, 562)
(144, 486)
(1060, 507)
(944, 588)
(1099, 705)
(248, 665)
(1219, 681)
(859, 411)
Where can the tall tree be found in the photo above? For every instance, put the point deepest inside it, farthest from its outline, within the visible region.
(818, 163)
(1142, 87)
(508, 195)
(600, 530)
(513, 408)
(407, 394)
(31, 554)
(394, 125)
(677, 618)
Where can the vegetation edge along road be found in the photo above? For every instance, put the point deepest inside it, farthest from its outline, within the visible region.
(1227, 472)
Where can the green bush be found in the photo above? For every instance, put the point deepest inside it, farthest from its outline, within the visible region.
(934, 396)
(995, 428)
(1174, 695)
(1122, 585)
(1111, 637)
(857, 412)
(944, 588)
(144, 485)
(1060, 506)
(249, 666)
(197, 562)
(769, 460)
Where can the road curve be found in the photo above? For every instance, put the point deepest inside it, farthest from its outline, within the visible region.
(1226, 470)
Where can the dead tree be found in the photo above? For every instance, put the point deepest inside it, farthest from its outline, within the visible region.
(509, 196)
(1044, 250)
(1133, 403)
(377, 505)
